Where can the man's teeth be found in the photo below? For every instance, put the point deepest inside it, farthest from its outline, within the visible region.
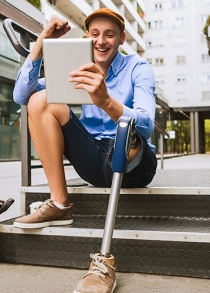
(102, 50)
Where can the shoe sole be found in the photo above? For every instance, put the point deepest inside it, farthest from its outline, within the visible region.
(6, 204)
(114, 286)
(42, 225)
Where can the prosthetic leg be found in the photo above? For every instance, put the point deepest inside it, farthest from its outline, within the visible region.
(124, 137)
(101, 275)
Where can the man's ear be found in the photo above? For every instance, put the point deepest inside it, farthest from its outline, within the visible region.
(122, 38)
(87, 33)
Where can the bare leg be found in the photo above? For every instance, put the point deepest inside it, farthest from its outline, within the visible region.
(45, 122)
(134, 151)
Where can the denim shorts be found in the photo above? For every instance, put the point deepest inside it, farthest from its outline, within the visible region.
(91, 158)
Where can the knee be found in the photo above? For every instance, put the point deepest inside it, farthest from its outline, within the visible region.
(38, 106)
(37, 103)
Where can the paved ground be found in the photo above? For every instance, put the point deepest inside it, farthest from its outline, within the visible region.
(36, 279)
(25, 279)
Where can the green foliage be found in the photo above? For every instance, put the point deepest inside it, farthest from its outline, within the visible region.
(205, 29)
(181, 143)
(207, 135)
(123, 52)
(36, 3)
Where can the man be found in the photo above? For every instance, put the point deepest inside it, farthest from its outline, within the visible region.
(118, 85)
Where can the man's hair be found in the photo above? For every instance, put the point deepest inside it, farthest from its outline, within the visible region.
(107, 13)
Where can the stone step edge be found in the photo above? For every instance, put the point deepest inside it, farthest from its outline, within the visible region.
(145, 190)
(68, 231)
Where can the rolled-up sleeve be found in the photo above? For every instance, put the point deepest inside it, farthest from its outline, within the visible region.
(28, 81)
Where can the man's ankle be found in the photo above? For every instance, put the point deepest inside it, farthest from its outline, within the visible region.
(61, 206)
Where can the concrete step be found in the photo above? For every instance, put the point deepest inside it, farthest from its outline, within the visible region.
(151, 201)
(159, 230)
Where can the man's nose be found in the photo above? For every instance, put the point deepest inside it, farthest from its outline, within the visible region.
(101, 39)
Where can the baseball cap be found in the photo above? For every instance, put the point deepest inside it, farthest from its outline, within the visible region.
(108, 13)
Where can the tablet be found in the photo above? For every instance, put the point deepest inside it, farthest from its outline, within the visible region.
(60, 57)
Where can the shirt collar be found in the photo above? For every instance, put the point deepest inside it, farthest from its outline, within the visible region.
(117, 64)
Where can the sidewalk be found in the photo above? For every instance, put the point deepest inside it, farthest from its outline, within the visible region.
(37, 279)
(25, 279)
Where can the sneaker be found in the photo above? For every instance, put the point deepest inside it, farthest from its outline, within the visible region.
(100, 277)
(4, 205)
(47, 214)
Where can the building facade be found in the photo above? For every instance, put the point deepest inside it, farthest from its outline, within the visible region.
(132, 10)
(177, 49)
(167, 33)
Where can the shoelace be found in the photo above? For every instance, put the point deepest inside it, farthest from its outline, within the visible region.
(99, 267)
(46, 202)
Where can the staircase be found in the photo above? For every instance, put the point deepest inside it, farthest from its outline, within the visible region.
(160, 229)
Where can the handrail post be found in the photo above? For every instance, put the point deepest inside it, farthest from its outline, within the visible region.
(25, 135)
(161, 150)
(21, 45)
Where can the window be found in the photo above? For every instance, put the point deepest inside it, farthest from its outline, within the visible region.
(180, 41)
(159, 61)
(149, 25)
(203, 18)
(205, 57)
(155, 43)
(180, 22)
(205, 77)
(6, 48)
(159, 80)
(158, 43)
(205, 96)
(180, 59)
(149, 44)
(181, 78)
(182, 97)
(158, 6)
(158, 24)
(177, 4)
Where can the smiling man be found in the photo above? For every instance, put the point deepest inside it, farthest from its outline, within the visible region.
(118, 85)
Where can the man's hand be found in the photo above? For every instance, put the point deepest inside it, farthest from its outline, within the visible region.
(91, 78)
(55, 28)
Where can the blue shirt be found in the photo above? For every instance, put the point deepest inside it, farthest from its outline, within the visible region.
(130, 81)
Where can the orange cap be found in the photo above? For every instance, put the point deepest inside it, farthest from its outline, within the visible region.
(108, 13)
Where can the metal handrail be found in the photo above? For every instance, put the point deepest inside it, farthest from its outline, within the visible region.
(21, 44)
(10, 28)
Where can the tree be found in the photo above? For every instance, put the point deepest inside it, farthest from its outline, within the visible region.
(36, 3)
(207, 135)
(205, 31)
(181, 142)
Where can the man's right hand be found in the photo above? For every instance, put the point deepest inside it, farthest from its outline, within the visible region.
(55, 28)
